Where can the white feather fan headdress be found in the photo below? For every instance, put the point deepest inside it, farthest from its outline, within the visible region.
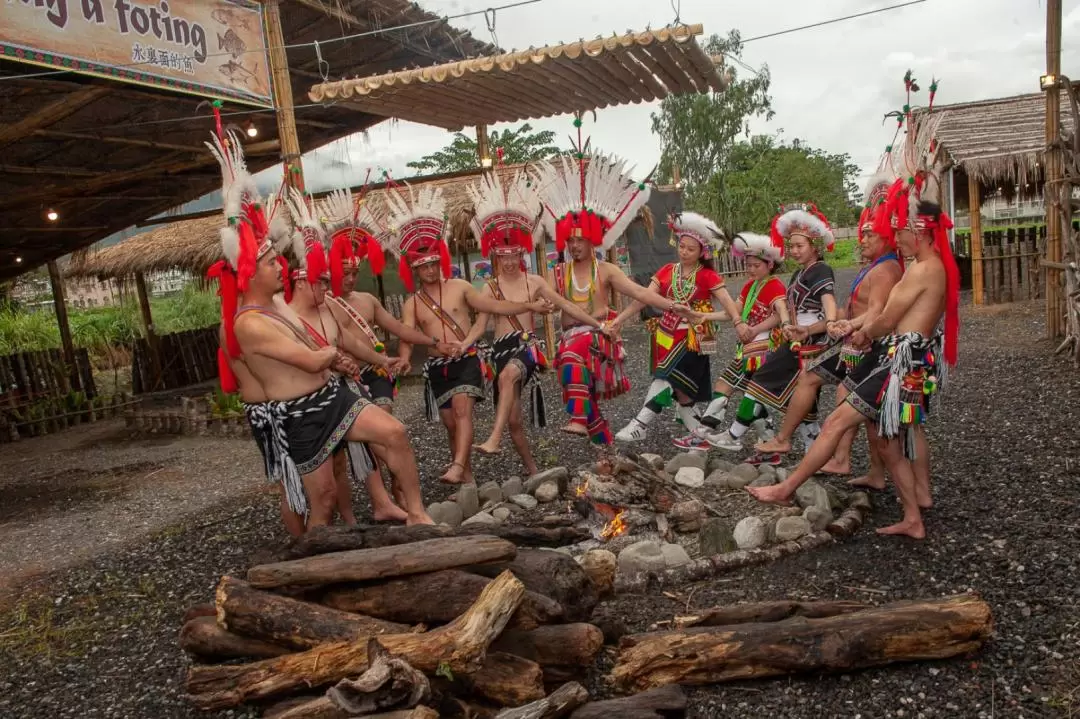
(505, 217)
(308, 239)
(700, 228)
(353, 231)
(417, 230)
(763, 247)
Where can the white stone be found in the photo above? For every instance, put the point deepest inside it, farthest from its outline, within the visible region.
(818, 517)
(686, 459)
(559, 475)
(490, 492)
(692, 477)
(513, 486)
(654, 461)
(480, 519)
(524, 501)
(790, 528)
(750, 533)
(502, 514)
(781, 474)
(812, 494)
(468, 499)
(547, 492)
(763, 481)
(718, 463)
(448, 513)
(745, 471)
(766, 470)
(674, 555)
(646, 556)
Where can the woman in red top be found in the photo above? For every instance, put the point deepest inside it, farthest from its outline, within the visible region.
(680, 364)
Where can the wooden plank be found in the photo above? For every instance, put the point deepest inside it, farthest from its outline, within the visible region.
(1026, 246)
(153, 345)
(978, 292)
(60, 305)
(1053, 172)
(1014, 268)
(51, 113)
(283, 97)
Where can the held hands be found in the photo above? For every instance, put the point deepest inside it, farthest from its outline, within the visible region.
(839, 329)
(540, 307)
(859, 340)
(744, 332)
(795, 333)
(445, 348)
(398, 366)
(345, 365)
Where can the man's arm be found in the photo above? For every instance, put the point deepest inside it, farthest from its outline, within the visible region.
(351, 344)
(399, 329)
(624, 285)
(492, 306)
(635, 306)
(900, 300)
(256, 337)
(544, 289)
(408, 318)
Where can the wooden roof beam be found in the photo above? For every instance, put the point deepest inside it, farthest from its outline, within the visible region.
(56, 134)
(44, 170)
(50, 114)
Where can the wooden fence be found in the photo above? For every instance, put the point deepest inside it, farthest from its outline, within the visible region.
(187, 358)
(28, 376)
(1010, 264)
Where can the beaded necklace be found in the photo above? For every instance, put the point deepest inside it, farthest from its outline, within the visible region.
(682, 288)
(571, 289)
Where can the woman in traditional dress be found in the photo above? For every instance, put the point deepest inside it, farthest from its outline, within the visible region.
(811, 304)
(761, 309)
(680, 363)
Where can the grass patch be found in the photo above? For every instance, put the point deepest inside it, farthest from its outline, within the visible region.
(845, 253)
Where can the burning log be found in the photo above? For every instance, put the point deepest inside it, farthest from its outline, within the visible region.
(905, 631)
(434, 598)
(558, 704)
(393, 561)
(767, 612)
(552, 574)
(328, 539)
(654, 704)
(458, 647)
(568, 645)
(290, 622)
(203, 638)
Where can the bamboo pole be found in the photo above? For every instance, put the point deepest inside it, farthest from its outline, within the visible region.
(1054, 171)
(975, 204)
(283, 96)
(74, 376)
(152, 340)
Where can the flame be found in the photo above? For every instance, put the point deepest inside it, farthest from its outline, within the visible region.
(582, 489)
(615, 527)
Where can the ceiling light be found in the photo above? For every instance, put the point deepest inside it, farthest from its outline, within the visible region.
(1047, 82)
(52, 215)
(251, 130)
(18, 260)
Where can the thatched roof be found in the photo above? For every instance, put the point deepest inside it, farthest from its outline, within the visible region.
(193, 244)
(998, 141)
(106, 155)
(538, 82)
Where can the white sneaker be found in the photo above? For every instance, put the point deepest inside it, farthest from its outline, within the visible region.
(633, 432)
(724, 440)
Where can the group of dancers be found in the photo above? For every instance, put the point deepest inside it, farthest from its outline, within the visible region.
(300, 345)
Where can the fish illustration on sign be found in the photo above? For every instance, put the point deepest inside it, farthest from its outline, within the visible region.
(237, 73)
(231, 18)
(481, 271)
(231, 43)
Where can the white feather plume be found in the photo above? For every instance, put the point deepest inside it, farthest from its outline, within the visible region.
(793, 221)
(339, 210)
(237, 186)
(489, 199)
(425, 204)
(304, 219)
(701, 228)
(230, 245)
(749, 244)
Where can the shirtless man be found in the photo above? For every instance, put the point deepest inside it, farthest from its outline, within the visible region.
(895, 380)
(516, 352)
(319, 411)
(865, 301)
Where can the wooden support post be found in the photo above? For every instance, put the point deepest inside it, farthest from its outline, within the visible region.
(148, 329)
(483, 146)
(283, 96)
(543, 270)
(1053, 175)
(975, 204)
(74, 376)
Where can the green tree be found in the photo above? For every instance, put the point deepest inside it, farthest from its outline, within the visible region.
(699, 133)
(521, 144)
(764, 173)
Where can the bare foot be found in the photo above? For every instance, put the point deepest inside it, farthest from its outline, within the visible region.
(869, 481)
(771, 446)
(922, 497)
(776, 494)
(835, 467)
(454, 475)
(420, 517)
(390, 513)
(489, 447)
(915, 530)
(574, 428)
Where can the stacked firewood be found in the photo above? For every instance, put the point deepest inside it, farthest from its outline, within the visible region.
(403, 622)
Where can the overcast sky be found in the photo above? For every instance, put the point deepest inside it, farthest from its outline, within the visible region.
(830, 85)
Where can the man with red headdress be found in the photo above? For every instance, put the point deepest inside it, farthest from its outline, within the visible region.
(503, 225)
(588, 204)
(866, 299)
(908, 359)
(441, 307)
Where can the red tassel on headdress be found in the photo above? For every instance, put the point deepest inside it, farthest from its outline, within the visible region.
(952, 288)
(405, 273)
(227, 291)
(340, 250)
(245, 261)
(774, 233)
(286, 281)
(228, 380)
(314, 259)
(376, 258)
(444, 260)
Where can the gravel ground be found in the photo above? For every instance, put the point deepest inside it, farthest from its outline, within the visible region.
(98, 639)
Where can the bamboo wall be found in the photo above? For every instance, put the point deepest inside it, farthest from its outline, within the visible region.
(187, 358)
(28, 376)
(1010, 264)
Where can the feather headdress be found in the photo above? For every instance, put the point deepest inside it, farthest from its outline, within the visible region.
(765, 248)
(700, 228)
(805, 220)
(308, 239)
(417, 230)
(505, 217)
(353, 229)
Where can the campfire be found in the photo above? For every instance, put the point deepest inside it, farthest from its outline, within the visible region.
(615, 525)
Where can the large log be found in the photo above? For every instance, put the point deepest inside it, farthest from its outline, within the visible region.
(552, 574)
(363, 564)
(905, 631)
(327, 539)
(433, 598)
(556, 705)
(508, 680)
(460, 646)
(566, 645)
(323, 708)
(289, 622)
(767, 612)
(668, 701)
(203, 638)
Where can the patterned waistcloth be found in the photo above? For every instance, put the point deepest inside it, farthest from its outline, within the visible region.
(382, 387)
(774, 382)
(674, 359)
(445, 377)
(893, 384)
(590, 367)
(524, 351)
